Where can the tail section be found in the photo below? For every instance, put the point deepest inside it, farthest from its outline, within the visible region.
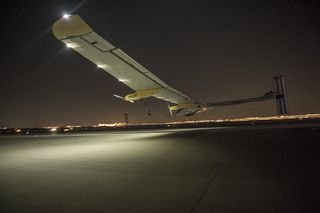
(278, 94)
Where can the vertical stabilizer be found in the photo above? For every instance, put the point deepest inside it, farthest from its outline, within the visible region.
(281, 97)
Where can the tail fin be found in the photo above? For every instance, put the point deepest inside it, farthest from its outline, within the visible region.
(281, 97)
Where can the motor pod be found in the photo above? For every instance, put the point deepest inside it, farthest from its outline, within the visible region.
(141, 94)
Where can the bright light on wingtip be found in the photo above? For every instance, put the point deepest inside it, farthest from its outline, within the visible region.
(66, 16)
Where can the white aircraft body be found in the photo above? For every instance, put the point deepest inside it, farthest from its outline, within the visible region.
(79, 36)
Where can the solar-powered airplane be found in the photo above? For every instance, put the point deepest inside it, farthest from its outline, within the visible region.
(79, 36)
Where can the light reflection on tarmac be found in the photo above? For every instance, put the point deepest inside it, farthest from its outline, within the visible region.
(185, 170)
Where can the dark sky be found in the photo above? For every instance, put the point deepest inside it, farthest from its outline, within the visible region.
(210, 51)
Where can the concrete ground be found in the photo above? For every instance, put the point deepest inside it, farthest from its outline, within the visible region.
(206, 170)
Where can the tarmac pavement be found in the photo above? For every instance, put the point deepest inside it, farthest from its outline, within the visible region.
(195, 170)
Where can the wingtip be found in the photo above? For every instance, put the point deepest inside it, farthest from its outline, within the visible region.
(70, 25)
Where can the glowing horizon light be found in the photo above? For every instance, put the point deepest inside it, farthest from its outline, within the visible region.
(66, 16)
(53, 129)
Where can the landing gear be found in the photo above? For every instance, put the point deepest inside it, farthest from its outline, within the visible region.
(146, 107)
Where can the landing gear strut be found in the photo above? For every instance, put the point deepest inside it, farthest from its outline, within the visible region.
(146, 107)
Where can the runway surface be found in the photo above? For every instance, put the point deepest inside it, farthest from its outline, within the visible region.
(197, 170)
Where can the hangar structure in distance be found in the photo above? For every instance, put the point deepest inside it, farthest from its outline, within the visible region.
(79, 36)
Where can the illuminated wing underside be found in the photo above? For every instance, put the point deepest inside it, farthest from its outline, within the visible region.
(76, 34)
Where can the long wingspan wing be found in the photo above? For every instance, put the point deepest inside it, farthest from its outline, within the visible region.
(76, 34)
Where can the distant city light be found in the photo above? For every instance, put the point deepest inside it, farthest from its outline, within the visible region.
(172, 124)
(110, 125)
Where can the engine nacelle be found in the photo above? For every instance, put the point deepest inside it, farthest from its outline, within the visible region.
(141, 94)
(186, 109)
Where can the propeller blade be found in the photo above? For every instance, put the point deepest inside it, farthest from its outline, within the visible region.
(171, 114)
(118, 96)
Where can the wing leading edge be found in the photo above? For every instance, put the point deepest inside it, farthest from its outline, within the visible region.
(78, 35)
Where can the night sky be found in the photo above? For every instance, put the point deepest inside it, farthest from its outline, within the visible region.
(211, 52)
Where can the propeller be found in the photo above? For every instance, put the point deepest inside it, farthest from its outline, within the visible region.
(118, 96)
(171, 114)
